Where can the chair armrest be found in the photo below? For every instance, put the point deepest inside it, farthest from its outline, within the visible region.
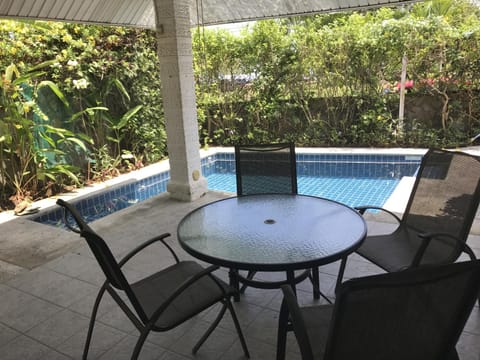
(183, 286)
(427, 238)
(67, 224)
(142, 246)
(362, 209)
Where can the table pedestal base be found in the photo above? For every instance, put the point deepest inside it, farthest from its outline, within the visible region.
(236, 279)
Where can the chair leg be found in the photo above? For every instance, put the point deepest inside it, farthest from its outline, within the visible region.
(141, 340)
(282, 331)
(210, 329)
(341, 271)
(92, 321)
(470, 253)
(237, 326)
(233, 276)
(315, 279)
(250, 276)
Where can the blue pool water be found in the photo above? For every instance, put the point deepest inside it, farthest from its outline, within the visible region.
(351, 179)
(350, 191)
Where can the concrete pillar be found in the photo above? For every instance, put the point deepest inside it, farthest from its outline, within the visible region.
(178, 91)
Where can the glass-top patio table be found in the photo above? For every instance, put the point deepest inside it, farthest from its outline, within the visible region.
(271, 232)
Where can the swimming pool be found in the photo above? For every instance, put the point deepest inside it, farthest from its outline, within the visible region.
(353, 179)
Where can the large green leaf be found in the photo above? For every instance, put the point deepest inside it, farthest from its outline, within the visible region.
(10, 72)
(27, 77)
(78, 142)
(55, 89)
(119, 85)
(127, 116)
(90, 109)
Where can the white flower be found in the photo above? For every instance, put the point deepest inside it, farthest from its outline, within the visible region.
(80, 84)
(72, 63)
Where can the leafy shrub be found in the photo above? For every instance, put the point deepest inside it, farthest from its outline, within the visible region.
(31, 147)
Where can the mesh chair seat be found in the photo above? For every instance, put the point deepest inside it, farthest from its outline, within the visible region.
(157, 288)
(437, 219)
(415, 314)
(266, 184)
(396, 251)
(268, 169)
(317, 324)
(158, 302)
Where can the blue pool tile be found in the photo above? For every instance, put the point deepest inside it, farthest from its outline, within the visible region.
(352, 179)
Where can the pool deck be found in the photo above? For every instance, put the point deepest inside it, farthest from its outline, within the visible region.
(48, 280)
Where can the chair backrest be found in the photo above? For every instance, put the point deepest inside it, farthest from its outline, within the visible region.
(444, 199)
(266, 168)
(416, 314)
(97, 245)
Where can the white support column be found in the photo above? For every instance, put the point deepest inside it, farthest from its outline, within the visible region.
(174, 43)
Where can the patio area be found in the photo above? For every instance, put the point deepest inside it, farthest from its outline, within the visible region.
(45, 310)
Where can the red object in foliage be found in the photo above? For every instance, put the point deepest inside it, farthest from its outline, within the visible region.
(408, 84)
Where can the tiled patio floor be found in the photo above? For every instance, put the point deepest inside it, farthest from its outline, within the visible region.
(44, 312)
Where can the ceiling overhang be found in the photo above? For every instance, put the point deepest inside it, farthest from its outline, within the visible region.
(140, 13)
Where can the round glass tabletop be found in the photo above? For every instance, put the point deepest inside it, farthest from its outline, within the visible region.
(271, 232)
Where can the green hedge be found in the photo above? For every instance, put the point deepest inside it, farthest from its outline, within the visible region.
(75, 98)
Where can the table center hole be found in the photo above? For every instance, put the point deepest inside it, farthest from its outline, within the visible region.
(269, 221)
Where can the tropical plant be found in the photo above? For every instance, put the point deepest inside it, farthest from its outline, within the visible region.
(31, 148)
(323, 80)
(103, 122)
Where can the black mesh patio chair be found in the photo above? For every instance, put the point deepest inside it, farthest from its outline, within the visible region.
(269, 169)
(266, 169)
(437, 219)
(161, 301)
(415, 314)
